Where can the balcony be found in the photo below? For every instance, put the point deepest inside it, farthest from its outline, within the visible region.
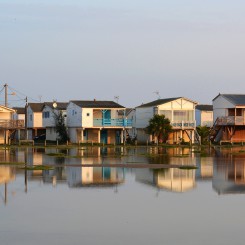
(12, 124)
(230, 120)
(112, 122)
(183, 124)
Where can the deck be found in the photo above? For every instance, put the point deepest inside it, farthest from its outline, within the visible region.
(12, 124)
(112, 122)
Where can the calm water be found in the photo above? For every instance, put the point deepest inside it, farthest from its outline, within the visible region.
(102, 205)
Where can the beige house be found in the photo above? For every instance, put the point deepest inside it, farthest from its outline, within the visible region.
(181, 113)
(8, 125)
(35, 120)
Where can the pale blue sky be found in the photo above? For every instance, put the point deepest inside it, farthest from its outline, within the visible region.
(78, 49)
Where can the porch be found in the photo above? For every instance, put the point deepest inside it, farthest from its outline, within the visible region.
(183, 124)
(101, 135)
(112, 122)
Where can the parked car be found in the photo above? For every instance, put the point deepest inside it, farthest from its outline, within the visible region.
(40, 137)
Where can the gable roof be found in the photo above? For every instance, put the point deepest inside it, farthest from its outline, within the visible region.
(236, 99)
(96, 104)
(204, 107)
(60, 105)
(163, 101)
(36, 107)
(7, 108)
(20, 110)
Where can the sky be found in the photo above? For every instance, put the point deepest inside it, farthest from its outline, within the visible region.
(98, 49)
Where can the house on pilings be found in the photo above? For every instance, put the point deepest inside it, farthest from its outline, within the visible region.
(8, 125)
(229, 118)
(97, 122)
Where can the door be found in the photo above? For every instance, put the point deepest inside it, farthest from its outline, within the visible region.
(103, 136)
(118, 137)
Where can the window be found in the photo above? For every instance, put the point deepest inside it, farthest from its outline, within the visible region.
(231, 112)
(74, 112)
(166, 113)
(183, 116)
(88, 114)
(46, 114)
(239, 112)
(31, 117)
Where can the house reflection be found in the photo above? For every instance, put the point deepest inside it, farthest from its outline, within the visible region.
(6, 175)
(205, 168)
(173, 179)
(229, 177)
(94, 176)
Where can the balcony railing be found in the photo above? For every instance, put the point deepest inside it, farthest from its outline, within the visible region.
(112, 122)
(12, 124)
(230, 120)
(183, 124)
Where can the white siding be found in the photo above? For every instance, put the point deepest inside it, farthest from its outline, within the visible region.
(220, 105)
(74, 115)
(48, 122)
(198, 117)
(30, 117)
(142, 116)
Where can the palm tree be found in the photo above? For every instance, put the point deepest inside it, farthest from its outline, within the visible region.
(160, 127)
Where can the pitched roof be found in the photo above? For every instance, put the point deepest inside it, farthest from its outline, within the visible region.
(163, 101)
(204, 107)
(20, 110)
(60, 105)
(236, 99)
(96, 104)
(36, 107)
(127, 111)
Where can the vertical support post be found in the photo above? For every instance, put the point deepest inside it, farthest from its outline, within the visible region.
(121, 137)
(99, 135)
(82, 135)
(26, 118)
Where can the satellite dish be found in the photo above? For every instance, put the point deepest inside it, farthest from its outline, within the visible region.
(54, 104)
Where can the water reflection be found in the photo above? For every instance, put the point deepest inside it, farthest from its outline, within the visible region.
(173, 179)
(229, 175)
(223, 168)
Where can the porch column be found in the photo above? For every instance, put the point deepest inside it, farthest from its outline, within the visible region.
(181, 135)
(82, 135)
(99, 135)
(18, 134)
(121, 137)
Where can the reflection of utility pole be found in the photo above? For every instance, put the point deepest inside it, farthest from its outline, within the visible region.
(26, 170)
(5, 194)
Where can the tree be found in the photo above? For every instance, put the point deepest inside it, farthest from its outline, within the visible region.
(160, 127)
(203, 131)
(60, 126)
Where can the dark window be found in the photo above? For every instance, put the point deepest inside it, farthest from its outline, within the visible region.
(231, 112)
(239, 112)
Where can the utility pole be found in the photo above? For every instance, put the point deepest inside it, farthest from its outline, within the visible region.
(6, 94)
(26, 119)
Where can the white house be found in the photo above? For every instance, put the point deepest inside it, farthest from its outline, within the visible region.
(97, 121)
(34, 120)
(180, 111)
(229, 117)
(204, 115)
(49, 111)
